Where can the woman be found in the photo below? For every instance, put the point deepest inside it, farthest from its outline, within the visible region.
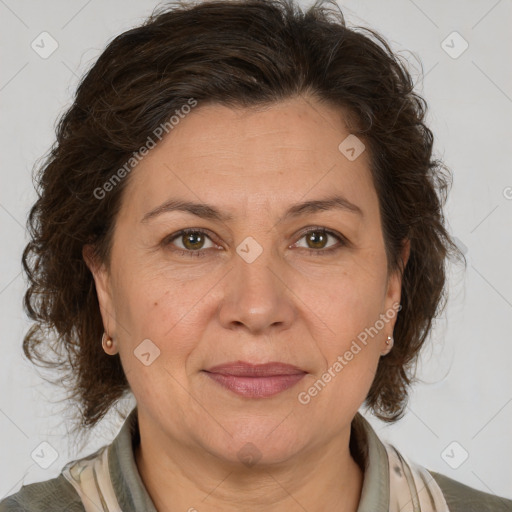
(242, 205)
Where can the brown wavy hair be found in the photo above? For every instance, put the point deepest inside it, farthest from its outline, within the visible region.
(239, 53)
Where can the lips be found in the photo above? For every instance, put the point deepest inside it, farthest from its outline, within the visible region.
(256, 380)
(243, 369)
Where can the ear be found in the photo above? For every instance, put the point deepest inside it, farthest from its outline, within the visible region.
(395, 281)
(103, 288)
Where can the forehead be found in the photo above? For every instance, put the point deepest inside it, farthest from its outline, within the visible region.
(237, 157)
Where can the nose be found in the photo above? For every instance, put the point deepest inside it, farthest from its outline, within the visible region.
(256, 294)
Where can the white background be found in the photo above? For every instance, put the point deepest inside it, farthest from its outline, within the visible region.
(466, 393)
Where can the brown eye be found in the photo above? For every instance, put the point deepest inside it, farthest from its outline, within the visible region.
(190, 242)
(193, 240)
(317, 239)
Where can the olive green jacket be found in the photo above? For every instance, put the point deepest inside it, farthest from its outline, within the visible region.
(130, 495)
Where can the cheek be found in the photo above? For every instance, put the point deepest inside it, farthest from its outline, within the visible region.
(351, 307)
(169, 310)
(348, 303)
(156, 312)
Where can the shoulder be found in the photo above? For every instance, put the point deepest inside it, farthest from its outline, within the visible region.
(56, 494)
(462, 498)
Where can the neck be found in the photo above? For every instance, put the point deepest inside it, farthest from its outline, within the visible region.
(180, 478)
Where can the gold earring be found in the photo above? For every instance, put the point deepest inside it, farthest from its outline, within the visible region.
(106, 341)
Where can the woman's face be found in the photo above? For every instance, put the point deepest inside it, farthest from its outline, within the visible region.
(252, 285)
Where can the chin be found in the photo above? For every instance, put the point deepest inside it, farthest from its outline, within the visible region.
(262, 441)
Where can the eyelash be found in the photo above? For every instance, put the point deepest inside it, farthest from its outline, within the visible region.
(202, 252)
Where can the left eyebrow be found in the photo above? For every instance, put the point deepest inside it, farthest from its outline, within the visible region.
(206, 211)
(336, 202)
